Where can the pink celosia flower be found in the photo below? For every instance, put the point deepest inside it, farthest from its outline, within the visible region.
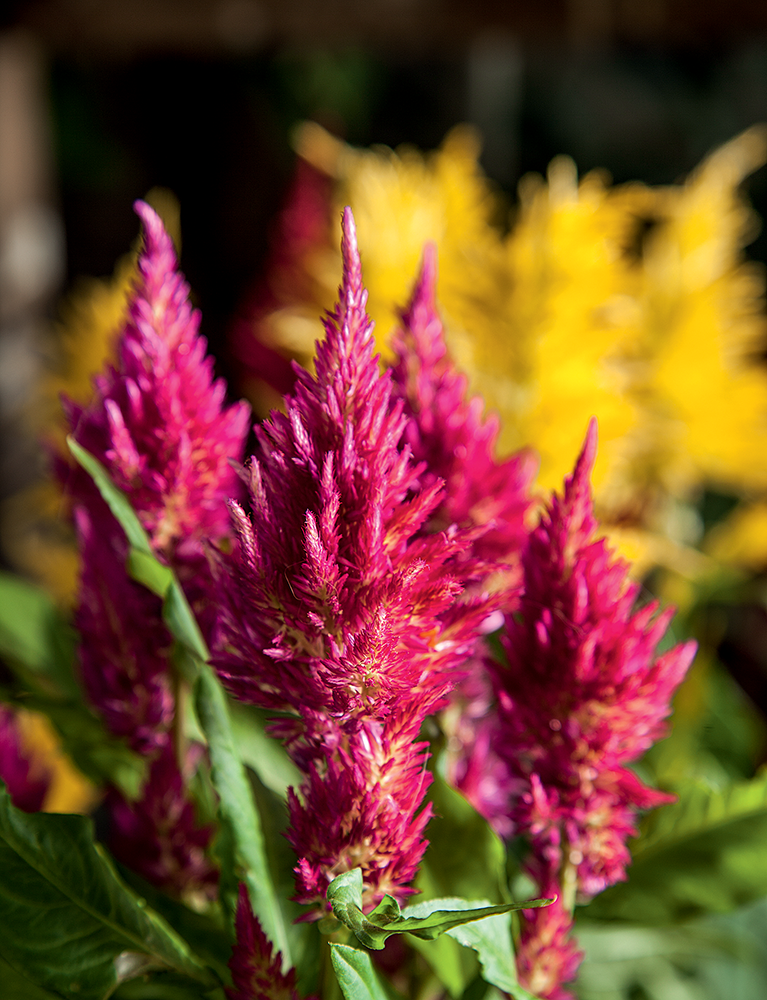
(256, 969)
(448, 432)
(158, 424)
(125, 646)
(27, 781)
(581, 695)
(547, 956)
(340, 613)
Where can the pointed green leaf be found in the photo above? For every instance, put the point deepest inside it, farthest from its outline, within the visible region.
(345, 897)
(143, 565)
(702, 854)
(237, 807)
(115, 498)
(490, 937)
(356, 975)
(67, 922)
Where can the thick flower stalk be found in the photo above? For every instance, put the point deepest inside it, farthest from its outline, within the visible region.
(342, 612)
(581, 695)
(158, 424)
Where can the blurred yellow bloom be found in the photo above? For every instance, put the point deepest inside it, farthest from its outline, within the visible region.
(68, 791)
(631, 303)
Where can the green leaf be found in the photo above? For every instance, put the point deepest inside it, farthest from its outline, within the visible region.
(261, 752)
(117, 501)
(489, 937)
(16, 986)
(237, 808)
(67, 922)
(143, 565)
(703, 854)
(345, 897)
(356, 975)
(34, 636)
(465, 857)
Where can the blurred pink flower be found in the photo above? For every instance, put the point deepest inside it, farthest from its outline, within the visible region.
(159, 425)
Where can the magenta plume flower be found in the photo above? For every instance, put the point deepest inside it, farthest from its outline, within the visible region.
(158, 422)
(158, 835)
(256, 969)
(582, 694)
(341, 612)
(159, 425)
(448, 432)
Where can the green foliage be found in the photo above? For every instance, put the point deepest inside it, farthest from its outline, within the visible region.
(266, 756)
(464, 857)
(143, 565)
(357, 976)
(67, 920)
(237, 808)
(39, 646)
(489, 937)
(703, 854)
(372, 929)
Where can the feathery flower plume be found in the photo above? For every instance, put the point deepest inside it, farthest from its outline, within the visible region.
(447, 431)
(581, 695)
(341, 614)
(449, 434)
(256, 969)
(158, 424)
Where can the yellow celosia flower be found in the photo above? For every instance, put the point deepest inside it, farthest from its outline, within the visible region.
(703, 326)
(577, 312)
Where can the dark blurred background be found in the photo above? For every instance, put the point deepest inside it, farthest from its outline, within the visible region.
(102, 100)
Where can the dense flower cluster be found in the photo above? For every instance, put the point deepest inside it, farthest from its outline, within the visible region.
(343, 612)
(580, 695)
(158, 425)
(349, 587)
(256, 969)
